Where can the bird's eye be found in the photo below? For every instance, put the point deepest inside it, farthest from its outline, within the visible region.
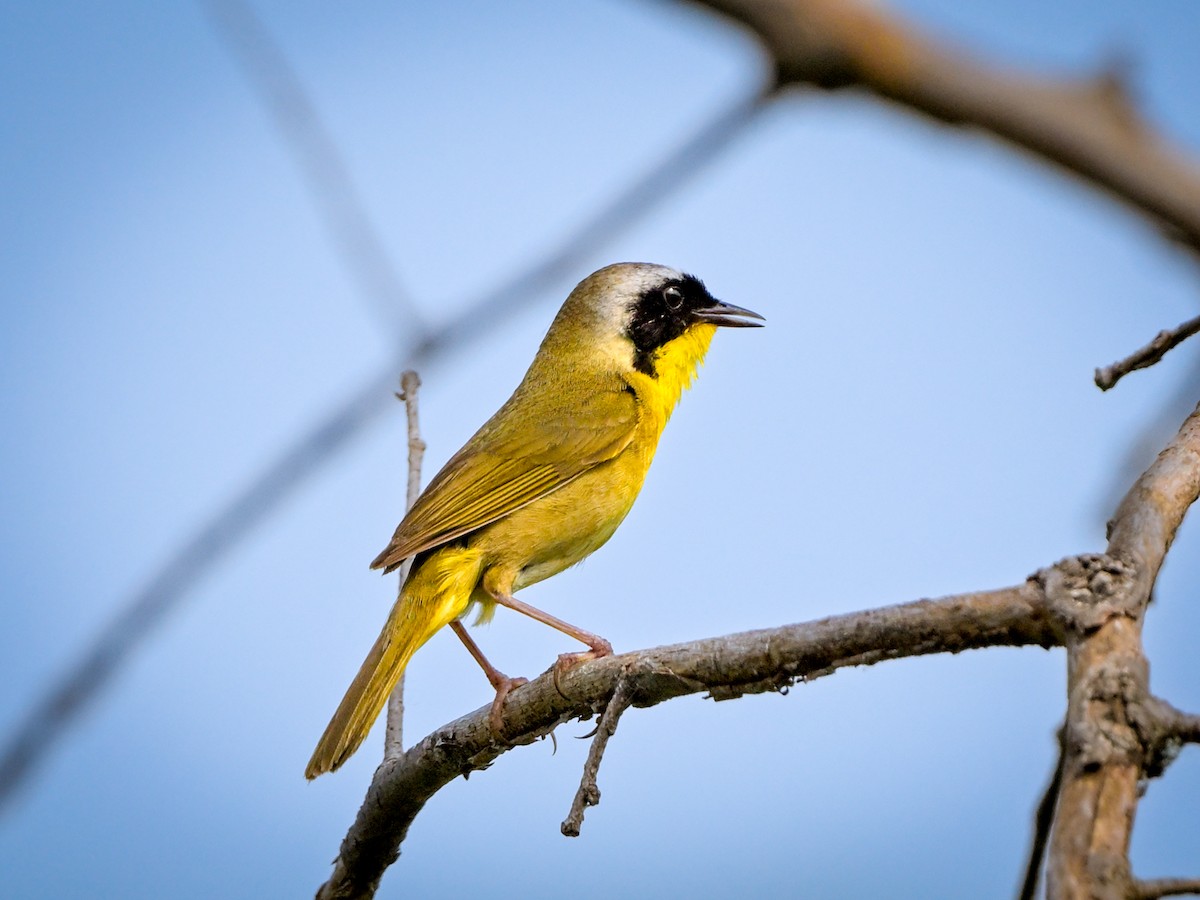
(674, 298)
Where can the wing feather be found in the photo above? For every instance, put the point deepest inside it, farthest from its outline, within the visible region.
(527, 450)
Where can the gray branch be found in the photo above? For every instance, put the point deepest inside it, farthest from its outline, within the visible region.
(724, 667)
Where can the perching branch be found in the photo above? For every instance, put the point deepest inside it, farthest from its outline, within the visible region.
(1163, 342)
(725, 667)
(1115, 733)
(410, 383)
(1088, 127)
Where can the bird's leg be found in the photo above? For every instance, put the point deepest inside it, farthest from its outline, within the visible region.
(500, 682)
(598, 647)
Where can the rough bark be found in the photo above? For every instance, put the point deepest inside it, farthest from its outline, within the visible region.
(724, 667)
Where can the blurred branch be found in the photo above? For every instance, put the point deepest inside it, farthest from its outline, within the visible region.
(726, 667)
(1113, 724)
(137, 618)
(1163, 342)
(1090, 127)
(325, 172)
(1043, 819)
(410, 383)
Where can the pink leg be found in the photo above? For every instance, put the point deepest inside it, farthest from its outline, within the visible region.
(500, 682)
(598, 647)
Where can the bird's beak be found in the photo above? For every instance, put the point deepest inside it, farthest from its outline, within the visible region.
(729, 315)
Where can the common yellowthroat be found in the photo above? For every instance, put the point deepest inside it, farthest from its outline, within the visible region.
(546, 480)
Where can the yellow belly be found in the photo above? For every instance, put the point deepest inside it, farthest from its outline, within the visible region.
(561, 529)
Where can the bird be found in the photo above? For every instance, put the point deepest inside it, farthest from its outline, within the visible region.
(543, 483)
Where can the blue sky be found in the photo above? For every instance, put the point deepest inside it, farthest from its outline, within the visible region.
(917, 419)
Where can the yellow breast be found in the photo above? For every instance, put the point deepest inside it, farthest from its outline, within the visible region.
(561, 529)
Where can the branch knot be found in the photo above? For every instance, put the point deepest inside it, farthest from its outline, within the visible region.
(1086, 591)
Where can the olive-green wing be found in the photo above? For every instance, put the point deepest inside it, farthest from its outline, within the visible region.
(524, 452)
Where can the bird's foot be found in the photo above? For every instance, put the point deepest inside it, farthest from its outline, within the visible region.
(504, 686)
(598, 648)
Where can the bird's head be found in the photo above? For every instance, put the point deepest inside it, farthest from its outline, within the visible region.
(645, 318)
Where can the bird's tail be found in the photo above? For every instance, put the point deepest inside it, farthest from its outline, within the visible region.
(430, 600)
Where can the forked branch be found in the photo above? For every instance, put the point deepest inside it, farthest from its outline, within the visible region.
(1114, 726)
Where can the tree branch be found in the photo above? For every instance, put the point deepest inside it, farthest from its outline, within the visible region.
(410, 383)
(589, 792)
(1163, 342)
(1184, 727)
(1145, 523)
(1043, 819)
(1111, 743)
(340, 206)
(1165, 887)
(1089, 128)
(725, 667)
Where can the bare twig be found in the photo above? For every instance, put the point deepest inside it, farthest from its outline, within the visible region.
(1164, 731)
(726, 667)
(1147, 356)
(139, 615)
(1186, 727)
(589, 792)
(1042, 821)
(1089, 128)
(410, 383)
(325, 172)
(1165, 887)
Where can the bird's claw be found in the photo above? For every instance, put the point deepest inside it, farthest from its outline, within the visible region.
(567, 661)
(503, 688)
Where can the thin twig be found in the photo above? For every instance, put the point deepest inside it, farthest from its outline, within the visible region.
(325, 172)
(1042, 820)
(410, 383)
(1187, 728)
(1165, 730)
(1165, 887)
(1163, 342)
(589, 792)
(136, 618)
(726, 667)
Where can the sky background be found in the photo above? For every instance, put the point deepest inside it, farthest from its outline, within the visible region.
(918, 418)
